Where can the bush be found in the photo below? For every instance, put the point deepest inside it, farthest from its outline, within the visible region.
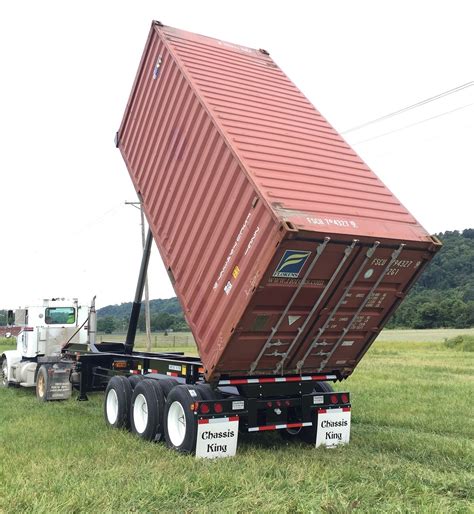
(462, 343)
(8, 340)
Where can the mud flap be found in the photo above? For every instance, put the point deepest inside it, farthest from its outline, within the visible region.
(58, 386)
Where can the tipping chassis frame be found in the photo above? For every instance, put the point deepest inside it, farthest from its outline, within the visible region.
(291, 402)
(264, 403)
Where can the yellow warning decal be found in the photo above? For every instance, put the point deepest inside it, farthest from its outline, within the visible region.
(235, 272)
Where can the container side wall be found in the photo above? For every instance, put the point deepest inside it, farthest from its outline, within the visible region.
(214, 234)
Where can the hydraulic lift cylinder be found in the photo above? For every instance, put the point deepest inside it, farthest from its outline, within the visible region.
(137, 302)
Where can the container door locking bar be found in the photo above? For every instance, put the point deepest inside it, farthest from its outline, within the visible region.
(394, 257)
(274, 330)
(347, 252)
(368, 255)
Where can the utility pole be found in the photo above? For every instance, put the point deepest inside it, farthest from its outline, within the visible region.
(139, 206)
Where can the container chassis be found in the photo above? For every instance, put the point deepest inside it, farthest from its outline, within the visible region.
(176, 389)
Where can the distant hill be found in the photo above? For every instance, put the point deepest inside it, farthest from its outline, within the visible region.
(444, 295)
(164, 315)
(169, 305)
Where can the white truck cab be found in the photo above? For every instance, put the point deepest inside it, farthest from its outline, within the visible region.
(45, 330)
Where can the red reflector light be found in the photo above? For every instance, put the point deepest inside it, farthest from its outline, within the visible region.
(218, 408)
(333, 398)
(204, 408)
(345, 398)
(269, 405)
(278, 403)
(287, 403)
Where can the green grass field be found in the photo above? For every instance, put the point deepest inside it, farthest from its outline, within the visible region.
(411, 450)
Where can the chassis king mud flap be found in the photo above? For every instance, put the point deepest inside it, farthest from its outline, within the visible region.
(217, 437)
(334, 427)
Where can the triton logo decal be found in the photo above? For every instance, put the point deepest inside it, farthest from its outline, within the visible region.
(291, 264)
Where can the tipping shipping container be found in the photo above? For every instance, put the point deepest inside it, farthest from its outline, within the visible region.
(287, 253)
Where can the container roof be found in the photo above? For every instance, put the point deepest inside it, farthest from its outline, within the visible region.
(301, 165)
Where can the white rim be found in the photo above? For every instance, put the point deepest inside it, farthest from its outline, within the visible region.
(176, 424)
(111, 406)
(140, 413)
(4, 372)
(41, 385)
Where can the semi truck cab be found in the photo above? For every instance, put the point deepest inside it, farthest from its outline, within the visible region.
(45, 330)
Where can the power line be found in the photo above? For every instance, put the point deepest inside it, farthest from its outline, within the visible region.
(413, 124)
(413, 106)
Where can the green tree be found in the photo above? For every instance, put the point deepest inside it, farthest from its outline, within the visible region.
(106, 325)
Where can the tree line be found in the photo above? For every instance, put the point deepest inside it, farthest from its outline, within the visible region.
(444, 294)
(165, 314)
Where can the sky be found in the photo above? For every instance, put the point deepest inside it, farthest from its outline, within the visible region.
(67, 69)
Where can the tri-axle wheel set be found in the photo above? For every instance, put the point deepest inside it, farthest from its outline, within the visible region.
(155, 410)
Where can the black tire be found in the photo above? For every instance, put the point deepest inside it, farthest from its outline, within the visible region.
(308, 434)
(118, 395)
(42, 383)
(289, 434)
(167, 385)
(4, 373)
(147, 409)
(135, 380)
(208, 393)
(323, 387)
(180, 420)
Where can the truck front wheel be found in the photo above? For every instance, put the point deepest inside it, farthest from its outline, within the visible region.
(4, 373)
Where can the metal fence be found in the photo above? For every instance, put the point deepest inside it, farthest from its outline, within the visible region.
(158, 339)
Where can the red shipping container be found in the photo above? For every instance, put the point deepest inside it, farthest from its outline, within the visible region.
(287, 253)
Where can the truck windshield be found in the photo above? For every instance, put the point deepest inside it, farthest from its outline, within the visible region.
(60, 315)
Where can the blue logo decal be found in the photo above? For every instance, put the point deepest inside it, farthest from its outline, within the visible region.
(291, 264)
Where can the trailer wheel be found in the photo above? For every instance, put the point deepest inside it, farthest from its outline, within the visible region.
(180, 421)
(148, 403)
(289, 434)
(4, 373)
(135, 380)
(308, 434)
(117, 402)
(42, 380)
(167, 384)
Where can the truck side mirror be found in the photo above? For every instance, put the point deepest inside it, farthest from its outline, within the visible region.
(10, 318)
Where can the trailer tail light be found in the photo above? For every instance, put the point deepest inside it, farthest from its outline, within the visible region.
(218, 408)
(345, 398)
(269, 405)
(119, 364)
(287, 403)
(333, 398)
(204, 408)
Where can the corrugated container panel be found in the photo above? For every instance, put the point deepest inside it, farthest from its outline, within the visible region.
(270, 225)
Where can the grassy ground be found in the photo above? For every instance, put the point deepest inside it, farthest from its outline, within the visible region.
(411, 450)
